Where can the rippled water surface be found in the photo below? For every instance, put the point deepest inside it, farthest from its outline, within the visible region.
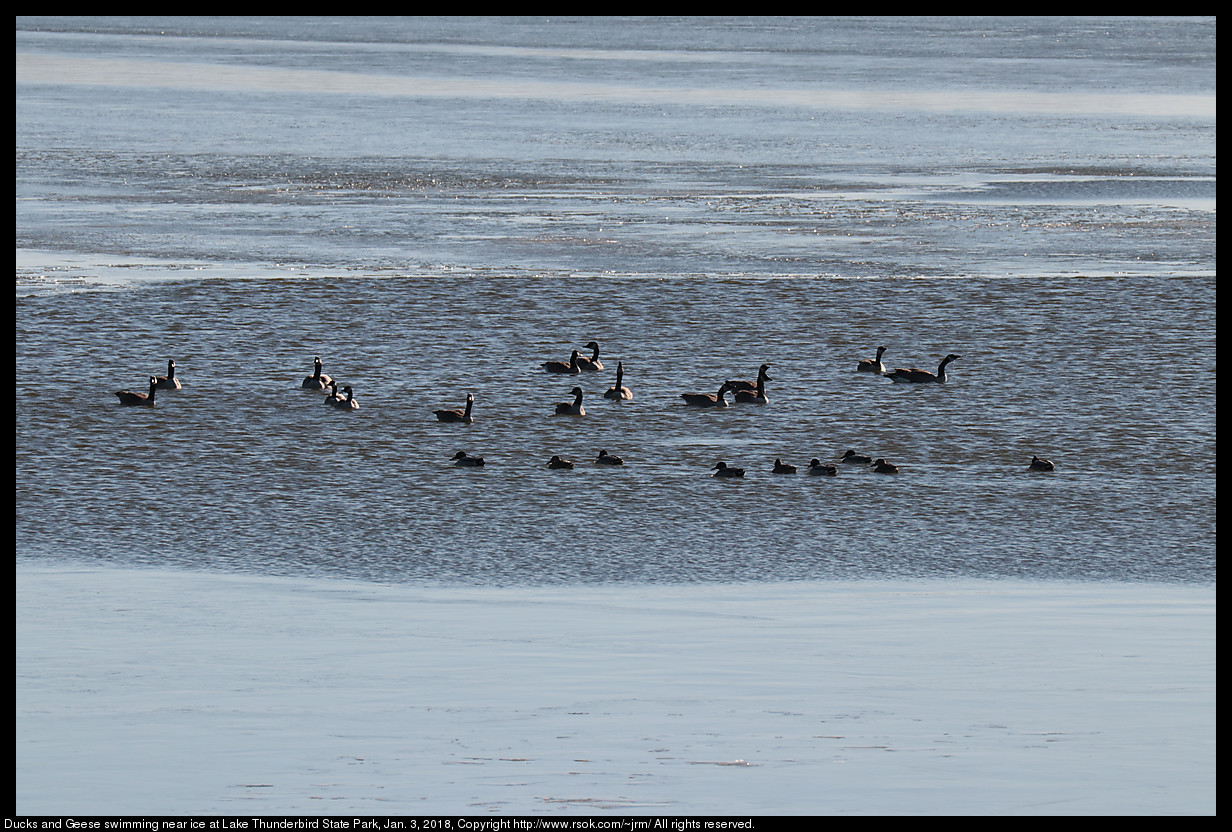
(436, 207)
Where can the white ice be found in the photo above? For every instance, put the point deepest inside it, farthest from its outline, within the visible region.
(174, 693)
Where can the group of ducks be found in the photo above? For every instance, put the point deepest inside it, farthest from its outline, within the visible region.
(744, 391)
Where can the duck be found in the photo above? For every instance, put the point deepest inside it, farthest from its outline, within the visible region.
(880, 466)
(917, 376)
(819, 468)
(572, 367)
(707, 399)
(463, 416)
(131, 399)
(724, 472)
(750, 386)
(604, 458)
(1038, 464)
(781, 467)
(333, 398)
(618, 391)
(853, 458)
(463, 460)
(872, 365)
(318, 380)
(573, 408)
(592, 364)
(560, 464)
(758, 394)
(349, 402)
(169, 381)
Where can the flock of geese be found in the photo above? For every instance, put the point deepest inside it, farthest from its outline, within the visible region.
(742, 390)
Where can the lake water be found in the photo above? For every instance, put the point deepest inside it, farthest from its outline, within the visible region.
(437, 206)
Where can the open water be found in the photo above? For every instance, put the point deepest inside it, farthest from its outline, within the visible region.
(437, 206)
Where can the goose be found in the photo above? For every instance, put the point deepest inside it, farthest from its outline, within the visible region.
(333, 398)
(781, 467)
(618, 391)
(349, 402)
(872, 365)
(880, 466)
(457, 415)
(559, 464)
(572, 367)
(1038, 464)
(707, 399)
(916, 375)
(819, 468)
(592, 364)
(604, 458)
(318, 380)
(573, 408)
(757, 395)
(462, 460)
(853, 458)
(750, 386)
(169, 381)
(131, 399)
(722, 471)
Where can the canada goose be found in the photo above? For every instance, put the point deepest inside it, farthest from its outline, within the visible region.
(750, 386)
(572, 367)
(721, 470)
(131, 399)
(318, 380)
(707, 399)
(757, 395)
(1038, 464)
(349, 402)
(916, 375)
(781, 467)
(457, 415)
(853, 458)
(880, 466)
(872, 365)
(559, 464)
(169, 381)
(462, 460)
(819, 468)
(333, 398)
(618, 391)
(573, 408)
(604, 458)
(592, 364)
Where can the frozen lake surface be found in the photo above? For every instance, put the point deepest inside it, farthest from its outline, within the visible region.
(143, 692)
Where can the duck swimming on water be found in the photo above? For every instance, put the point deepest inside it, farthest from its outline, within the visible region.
(1038, 464)
(917, 376)
(463, 460)
(560, 464)
(880, 466)
(853, 458)
(781, 467)
(604, 458)
(723, 471)
(824, 469)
